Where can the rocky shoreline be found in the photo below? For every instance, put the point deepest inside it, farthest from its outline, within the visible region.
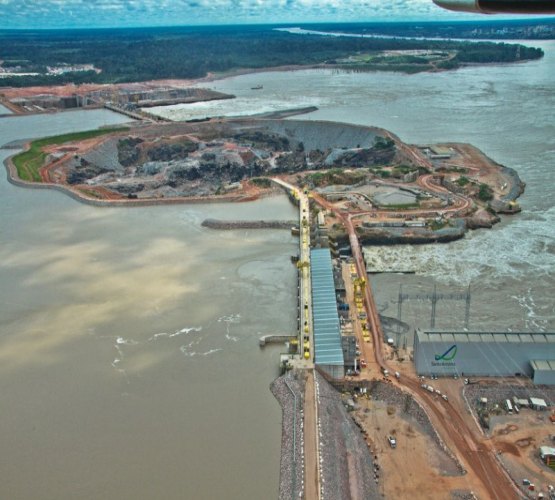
(289, 391)
(346, 464)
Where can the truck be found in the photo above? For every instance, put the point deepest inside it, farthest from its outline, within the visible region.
(509, 406)
(392, 441)
(385, 372)
(429, 388)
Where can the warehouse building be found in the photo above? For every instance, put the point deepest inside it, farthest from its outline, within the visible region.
(328, 351)
(544, 370)
(488, 354)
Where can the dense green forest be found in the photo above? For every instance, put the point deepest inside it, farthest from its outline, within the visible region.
(126, 55)
(499, 29)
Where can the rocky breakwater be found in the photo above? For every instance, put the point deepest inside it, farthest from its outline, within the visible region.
(346, 464)
(402, 235)
(248, 224)
(289, 391)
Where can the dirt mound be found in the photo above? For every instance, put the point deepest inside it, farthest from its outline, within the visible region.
(507, 429)
(524, 442)
(510, 448)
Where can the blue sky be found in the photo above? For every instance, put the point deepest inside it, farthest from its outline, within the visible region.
(105, 13)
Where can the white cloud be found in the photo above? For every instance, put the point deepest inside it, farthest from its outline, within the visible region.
(83, 13)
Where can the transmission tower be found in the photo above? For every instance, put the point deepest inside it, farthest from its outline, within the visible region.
(434, 298)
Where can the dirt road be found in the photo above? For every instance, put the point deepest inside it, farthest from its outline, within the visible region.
(471, 449)
(311, 481)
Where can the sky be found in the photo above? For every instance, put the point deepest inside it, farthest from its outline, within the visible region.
(121, 13)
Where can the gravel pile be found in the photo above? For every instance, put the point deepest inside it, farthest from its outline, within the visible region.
(105, 155)
(291, 479)
(462, 495)
(346, 467)
(391, 395)
(324, 135)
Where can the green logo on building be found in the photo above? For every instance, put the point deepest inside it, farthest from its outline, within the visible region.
(448, 355)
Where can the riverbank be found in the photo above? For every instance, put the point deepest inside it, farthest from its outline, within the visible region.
(82, 197)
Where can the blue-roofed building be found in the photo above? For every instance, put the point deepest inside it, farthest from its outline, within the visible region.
(328, 352)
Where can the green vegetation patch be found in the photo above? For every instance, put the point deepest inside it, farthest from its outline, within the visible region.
(262, 182)
(335, 176)
(384, 174)
(436, 225)
(463, 181)
(29, 162)
(485, 193)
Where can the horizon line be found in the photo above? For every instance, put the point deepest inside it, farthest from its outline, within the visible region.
(530, 19)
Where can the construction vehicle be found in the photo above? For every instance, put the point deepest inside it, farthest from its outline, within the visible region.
(392, 441)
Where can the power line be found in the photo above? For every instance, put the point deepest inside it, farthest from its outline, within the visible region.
(434, 298)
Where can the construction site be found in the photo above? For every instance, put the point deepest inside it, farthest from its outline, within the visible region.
(450, 419)
(357, 405)
(132, 99)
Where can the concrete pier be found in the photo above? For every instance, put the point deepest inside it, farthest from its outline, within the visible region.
(275, 339)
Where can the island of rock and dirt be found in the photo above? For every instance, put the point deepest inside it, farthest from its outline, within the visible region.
(394, 192)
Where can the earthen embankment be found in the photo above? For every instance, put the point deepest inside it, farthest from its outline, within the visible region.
(247, 224)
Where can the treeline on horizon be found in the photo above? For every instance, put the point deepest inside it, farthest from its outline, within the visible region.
(128, 55)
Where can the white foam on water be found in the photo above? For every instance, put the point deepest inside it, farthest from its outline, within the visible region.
(490, 256)
(533, 321)
(239, 106)
(157, 336)
(187, 330)
(211, 351)
(228, 320)
(232, 318)
(122, 341)
(183, 331)
(188, 349)
(186, 352)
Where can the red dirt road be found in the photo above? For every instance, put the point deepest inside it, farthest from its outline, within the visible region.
(472, 450)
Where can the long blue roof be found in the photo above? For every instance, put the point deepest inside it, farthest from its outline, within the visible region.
(327, 331)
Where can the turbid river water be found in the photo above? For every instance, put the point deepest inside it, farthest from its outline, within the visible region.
(130, 367)
(129, 358)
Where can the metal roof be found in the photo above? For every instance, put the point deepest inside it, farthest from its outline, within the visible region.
(543, 364)
(538, 402)
(325, 320)
(499, 337)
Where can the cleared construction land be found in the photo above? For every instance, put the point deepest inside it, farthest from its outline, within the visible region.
(394, 192)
